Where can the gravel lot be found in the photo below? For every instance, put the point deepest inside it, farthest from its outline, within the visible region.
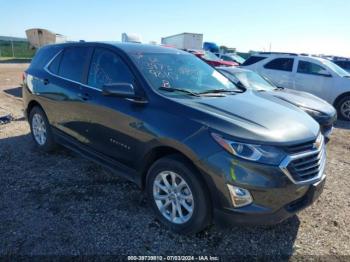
(61, 204)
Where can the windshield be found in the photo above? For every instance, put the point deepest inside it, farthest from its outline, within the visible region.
(210, 56)
(180, 71)
(237, 58)
(335, 68)
(251, 80)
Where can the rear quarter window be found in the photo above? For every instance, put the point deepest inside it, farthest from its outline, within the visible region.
(54, 65)
(43, 56)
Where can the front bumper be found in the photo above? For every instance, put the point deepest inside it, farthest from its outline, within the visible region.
(251, 216)
(275, 196)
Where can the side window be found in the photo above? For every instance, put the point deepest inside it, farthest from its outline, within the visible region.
(252, 60)
(43, 56)
(54, 66)
(283, 64)
(106, 68)
(310, 68)
(72, 63)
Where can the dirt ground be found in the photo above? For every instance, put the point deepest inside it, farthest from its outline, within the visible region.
(62, 204)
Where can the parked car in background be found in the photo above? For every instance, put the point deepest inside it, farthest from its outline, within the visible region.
(211, 47)
(233, 57)
(342, 62)
(201, 148)
(320, 110)
(315, 75)
(210, 58)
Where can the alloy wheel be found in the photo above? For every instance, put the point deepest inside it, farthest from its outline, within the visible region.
(173, 197)
(345, 109)
(39, 129)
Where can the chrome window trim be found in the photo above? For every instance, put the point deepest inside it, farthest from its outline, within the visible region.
(320, 176)
(46, 68)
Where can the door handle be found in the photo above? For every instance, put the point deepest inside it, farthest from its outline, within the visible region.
(84, 96)
(46, 81)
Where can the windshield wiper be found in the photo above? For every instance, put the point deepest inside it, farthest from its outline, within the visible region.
(172, 89)
(221, 91)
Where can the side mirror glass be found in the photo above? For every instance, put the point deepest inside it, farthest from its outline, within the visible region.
(119, 90)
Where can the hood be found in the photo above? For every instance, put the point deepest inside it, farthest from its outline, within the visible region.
(304, 99)
(253, 118)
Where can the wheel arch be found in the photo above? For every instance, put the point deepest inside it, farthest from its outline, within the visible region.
(165, 150)
(31, 105)
(336, 101)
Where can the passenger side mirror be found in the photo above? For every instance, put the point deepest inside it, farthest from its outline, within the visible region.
(119, 90)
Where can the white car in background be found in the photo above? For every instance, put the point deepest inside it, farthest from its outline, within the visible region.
(315, 75)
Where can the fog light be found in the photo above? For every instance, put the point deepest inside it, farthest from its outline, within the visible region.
(239, 196)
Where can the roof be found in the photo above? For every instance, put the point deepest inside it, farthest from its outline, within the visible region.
(130, 48)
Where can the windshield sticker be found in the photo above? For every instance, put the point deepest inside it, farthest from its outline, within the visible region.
(166, 84)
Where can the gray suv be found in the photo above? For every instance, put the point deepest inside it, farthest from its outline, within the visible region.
(202, 149)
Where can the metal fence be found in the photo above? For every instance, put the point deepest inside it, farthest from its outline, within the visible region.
(15, 49)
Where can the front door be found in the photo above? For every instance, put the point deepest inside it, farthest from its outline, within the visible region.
(113, 121)
(313, 78)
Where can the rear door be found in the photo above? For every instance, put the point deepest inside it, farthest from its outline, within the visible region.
(279, 71)
(64, 93)
(314, 78)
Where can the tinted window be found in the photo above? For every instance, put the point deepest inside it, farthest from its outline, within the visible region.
(72, 63)
(106, 68)
(310, 68)
(343, 64)
(54, 66)
(252, 60)
(284, 64)
(43, 56)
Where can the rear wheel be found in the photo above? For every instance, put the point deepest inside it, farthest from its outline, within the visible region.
(343, 108)
(177, 195)
(41, 130)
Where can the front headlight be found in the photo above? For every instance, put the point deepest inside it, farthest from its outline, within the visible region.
(259, 153)
(311, 112)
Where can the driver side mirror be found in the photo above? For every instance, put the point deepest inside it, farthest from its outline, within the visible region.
(125, 90)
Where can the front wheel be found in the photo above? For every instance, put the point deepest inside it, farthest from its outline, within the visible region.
(343, 108)
(178, 196)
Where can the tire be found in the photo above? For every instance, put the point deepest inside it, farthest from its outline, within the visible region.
(190, 222)
(41, 130)
(343, 108)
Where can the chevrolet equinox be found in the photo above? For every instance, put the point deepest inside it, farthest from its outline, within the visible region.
(201, 148)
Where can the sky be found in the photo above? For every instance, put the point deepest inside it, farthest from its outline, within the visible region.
(303, 26)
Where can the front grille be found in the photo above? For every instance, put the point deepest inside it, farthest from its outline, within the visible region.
(307, 146)
(307, 167)
(306, 161)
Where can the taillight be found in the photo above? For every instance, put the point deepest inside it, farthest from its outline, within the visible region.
(24, 76)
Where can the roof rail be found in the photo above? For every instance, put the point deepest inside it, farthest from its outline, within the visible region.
(277, 53)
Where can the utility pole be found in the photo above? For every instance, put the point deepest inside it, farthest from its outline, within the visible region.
(13, 51)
